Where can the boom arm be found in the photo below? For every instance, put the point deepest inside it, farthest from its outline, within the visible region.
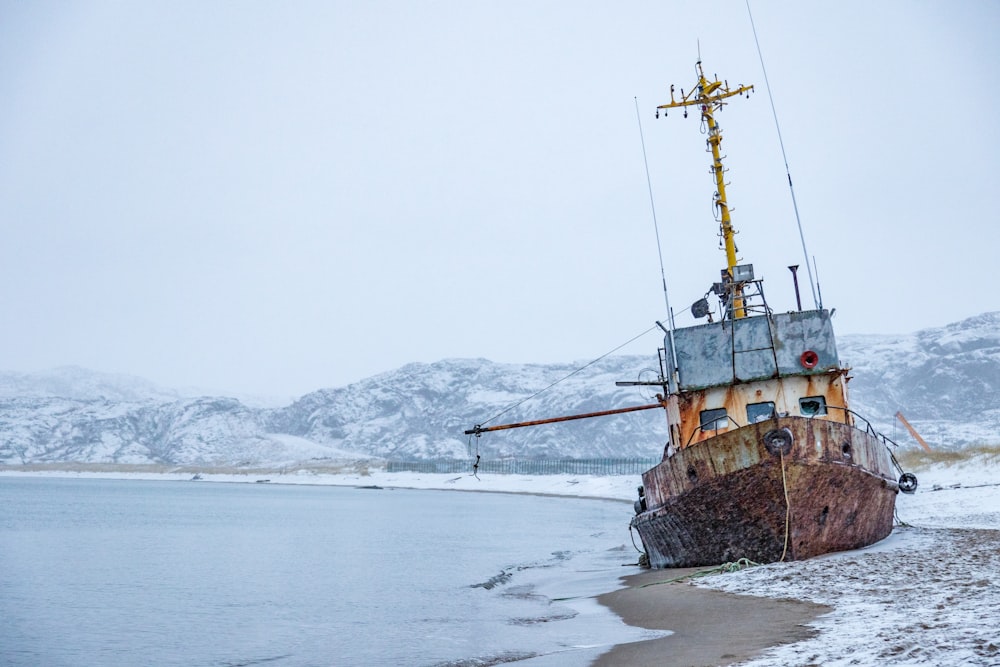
(477, 429)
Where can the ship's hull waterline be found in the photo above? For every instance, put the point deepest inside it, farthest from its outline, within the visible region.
(784, 489)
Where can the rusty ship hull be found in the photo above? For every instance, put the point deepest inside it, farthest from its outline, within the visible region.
(785, 489)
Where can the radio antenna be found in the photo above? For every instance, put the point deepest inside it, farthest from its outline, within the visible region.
(656, 228)
(652, 207)
(795, 206)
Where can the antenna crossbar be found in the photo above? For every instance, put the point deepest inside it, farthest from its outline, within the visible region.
(709, 96)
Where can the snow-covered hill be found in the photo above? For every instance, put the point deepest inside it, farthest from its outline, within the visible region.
(81, 383)
(421, 410)
(946, 381)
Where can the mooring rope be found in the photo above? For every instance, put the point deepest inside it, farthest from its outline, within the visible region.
(788, 505)
(632, 537)
(725, 568)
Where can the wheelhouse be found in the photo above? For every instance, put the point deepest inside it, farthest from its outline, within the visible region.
(736, 372)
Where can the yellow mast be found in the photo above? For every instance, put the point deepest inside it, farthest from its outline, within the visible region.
(708, 95)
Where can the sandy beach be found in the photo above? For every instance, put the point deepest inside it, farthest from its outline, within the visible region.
(708, 627)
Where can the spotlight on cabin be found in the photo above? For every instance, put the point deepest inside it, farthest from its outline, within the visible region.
(742, 273)
(700, 308)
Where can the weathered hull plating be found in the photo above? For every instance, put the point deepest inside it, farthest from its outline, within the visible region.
(728, 497)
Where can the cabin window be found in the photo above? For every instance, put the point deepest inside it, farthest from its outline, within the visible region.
(812, 406)
(759, 412)
(713, 420)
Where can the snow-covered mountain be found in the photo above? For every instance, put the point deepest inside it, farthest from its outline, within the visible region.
(80, 383)
(421, 410)
(946, 381)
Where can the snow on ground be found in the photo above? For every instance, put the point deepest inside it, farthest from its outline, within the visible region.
(929, 594)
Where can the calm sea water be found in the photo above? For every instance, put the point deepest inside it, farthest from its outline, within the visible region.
(106, 572)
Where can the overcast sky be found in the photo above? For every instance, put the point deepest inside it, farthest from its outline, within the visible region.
(273, 197)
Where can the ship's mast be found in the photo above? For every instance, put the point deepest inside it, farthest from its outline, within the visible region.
(709, 96)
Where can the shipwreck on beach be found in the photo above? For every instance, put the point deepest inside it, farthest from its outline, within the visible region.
(765, 459)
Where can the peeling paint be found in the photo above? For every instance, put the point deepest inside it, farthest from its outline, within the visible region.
(723, 498)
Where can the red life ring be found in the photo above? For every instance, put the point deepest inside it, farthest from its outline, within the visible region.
(809, 359)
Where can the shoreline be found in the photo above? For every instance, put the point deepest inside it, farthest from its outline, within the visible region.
(707, 627)
(586, 487)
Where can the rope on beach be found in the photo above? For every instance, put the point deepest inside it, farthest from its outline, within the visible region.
(735, 566)
(741, 564)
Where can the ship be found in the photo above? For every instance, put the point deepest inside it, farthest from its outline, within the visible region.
(765, 460)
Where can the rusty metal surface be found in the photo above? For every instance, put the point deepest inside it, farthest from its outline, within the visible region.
(724, 498)
(784, 393)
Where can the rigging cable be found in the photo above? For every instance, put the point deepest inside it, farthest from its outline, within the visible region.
(666, 297)
(656, 228)
(566, 377)
(652, 207)
(774, 112)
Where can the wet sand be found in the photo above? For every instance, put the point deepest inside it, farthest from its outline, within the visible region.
(709, 628)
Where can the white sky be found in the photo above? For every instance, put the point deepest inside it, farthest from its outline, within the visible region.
(276, 197)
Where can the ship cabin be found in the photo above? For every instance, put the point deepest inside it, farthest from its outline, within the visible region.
(758, 366)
